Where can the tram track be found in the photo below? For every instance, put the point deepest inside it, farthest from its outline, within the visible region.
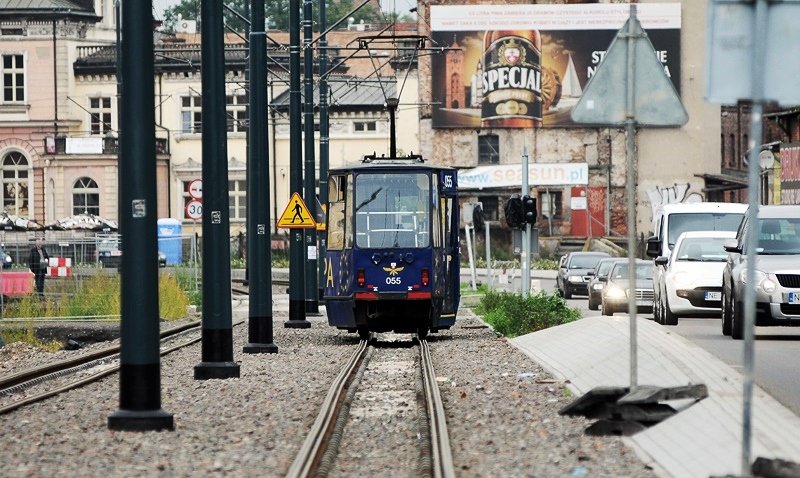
(20, 389)
(360, 399)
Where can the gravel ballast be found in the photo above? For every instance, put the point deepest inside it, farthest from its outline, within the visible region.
(501, 412)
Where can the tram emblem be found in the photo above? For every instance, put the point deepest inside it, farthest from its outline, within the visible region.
(393, 270)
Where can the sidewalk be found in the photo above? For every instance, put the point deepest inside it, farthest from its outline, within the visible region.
(701, 441)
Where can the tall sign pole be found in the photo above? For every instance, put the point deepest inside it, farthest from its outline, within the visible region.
(630, 191)
(297, 306)
(312, 301)
(217, 346)
(630, 88)
(323, 136)
(759, 37)
(526, 241)
(140, 368)
(259, 255)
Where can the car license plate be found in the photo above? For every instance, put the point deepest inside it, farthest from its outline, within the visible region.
(713, 296)
(794, 298)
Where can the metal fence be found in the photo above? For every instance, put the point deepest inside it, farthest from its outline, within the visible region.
(85, 248)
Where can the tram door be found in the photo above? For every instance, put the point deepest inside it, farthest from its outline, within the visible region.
(449, 215)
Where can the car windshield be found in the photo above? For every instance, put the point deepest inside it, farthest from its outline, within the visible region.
(584, 262)
(643, 271)
(603, 268)
(778, 236)
(702, 221)
(703, 249)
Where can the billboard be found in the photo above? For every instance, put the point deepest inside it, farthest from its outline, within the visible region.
(522, 66)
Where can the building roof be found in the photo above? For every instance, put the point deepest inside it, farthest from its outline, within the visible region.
(180, 56)
(349, 92)
(39, 9)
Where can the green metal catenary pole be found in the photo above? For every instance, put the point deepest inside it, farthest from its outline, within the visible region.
(310, 196)
(297, 310)
(217, 335)
(259, 255)
(324, 138)
(140, 367)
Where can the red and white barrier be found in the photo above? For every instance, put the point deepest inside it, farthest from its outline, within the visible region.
(60, 267)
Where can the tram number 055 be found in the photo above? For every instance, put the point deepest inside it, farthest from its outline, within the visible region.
(448, 181)
(394, 280)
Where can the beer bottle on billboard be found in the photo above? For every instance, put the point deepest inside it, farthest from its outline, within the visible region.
(512, 79)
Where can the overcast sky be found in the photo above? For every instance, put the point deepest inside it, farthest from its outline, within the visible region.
(401, 6)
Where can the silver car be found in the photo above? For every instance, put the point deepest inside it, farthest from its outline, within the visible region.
(777, 274)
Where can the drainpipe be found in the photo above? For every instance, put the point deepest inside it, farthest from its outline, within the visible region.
(55, 81)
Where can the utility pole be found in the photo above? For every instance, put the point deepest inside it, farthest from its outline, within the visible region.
(217, 346)
(140, 367)
(297, 306)
(259, 254)
(323, 137)
(312, 302)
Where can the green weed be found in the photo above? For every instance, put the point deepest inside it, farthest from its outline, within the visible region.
(513, 315)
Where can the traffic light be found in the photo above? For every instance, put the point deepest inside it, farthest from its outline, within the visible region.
(529, 209)
(513, 212)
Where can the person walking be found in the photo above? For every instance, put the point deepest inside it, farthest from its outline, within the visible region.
(38, 262)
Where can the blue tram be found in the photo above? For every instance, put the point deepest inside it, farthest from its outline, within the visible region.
(392, 260)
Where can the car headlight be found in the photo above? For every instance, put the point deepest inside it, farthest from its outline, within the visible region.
(575, 278)
(598, 286)
(761, 279)
(682, 280)
(614, 292)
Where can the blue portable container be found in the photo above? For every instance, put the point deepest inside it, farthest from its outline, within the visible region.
(169, 239)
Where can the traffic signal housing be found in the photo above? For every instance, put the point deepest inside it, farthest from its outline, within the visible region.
(513, 213)
(529, 209)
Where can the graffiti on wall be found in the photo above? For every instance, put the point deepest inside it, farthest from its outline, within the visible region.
(675, 194)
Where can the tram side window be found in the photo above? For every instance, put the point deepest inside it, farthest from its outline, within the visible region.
(336, 216)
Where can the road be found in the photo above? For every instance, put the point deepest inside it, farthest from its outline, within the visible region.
(777, 350)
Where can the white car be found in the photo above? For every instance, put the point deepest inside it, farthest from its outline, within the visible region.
(692, 284)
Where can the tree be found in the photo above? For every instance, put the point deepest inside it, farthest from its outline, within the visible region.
(276, 12)
(190, 10)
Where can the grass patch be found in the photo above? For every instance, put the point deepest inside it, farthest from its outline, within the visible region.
(27, 334)
(99, 295)
(513, 315)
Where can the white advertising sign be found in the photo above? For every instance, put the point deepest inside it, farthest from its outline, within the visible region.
(510, 175)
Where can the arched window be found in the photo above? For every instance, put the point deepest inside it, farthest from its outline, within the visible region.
(15, 183)
(85, 197)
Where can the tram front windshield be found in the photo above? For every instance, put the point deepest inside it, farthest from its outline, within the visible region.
(392, 210)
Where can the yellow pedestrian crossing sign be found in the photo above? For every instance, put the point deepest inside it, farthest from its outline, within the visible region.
(296, 215)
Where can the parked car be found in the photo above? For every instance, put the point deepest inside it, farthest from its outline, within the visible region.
(692, 283)
(598, 278)
(777, 271)
(110, 255)
(573, 272)
(675, 219)
(6, 258)
(617, 289)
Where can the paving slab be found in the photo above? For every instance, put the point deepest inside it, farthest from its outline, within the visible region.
(700, 441)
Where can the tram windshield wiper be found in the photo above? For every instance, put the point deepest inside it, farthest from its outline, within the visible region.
(372, 197)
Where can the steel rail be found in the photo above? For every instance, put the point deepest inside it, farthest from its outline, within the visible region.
(96, 376)
(35, 372)
(440, 440)
(314, 446)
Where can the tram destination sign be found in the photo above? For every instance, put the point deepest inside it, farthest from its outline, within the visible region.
(522, 66)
